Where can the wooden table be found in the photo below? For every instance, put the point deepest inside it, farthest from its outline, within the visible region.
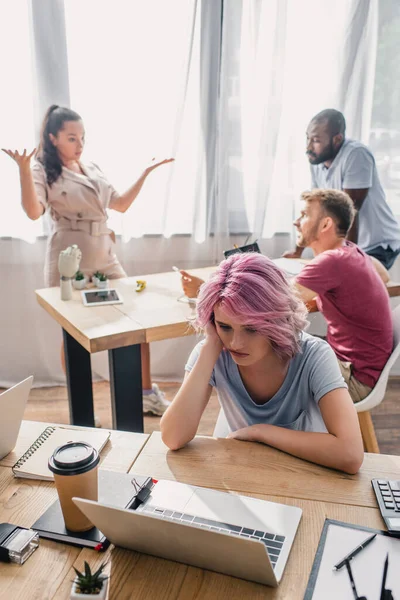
(48, 572)
(228, 465)
(255, 470)
(148, 316)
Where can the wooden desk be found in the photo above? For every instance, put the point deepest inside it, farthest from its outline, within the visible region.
(262, 472)
(48, 572)
(148, 316)
(228, 465)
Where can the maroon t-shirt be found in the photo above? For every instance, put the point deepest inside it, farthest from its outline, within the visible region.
(355, 303)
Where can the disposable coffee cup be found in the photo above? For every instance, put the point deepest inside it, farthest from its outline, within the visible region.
(74, 466)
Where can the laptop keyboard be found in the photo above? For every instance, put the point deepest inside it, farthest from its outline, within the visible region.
(273, 543)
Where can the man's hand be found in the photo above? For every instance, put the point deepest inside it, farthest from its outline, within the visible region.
(68, 261)
(190, 284)
(293, 253)
(23, 160)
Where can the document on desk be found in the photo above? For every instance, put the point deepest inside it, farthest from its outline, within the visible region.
(337, 541)
(291, 266)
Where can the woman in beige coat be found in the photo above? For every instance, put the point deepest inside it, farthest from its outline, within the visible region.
(77, 197)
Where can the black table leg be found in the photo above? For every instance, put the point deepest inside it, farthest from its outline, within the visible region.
(126, 388)
(79, 382)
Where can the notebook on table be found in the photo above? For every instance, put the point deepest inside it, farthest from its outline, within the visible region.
(33, 464)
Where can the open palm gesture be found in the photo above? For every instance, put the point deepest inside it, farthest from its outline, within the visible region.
(157, 163)
(23, 160)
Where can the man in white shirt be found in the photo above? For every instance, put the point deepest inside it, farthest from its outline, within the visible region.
(345, 164)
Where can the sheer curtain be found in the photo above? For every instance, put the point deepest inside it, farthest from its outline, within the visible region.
(16, 114)
(144, 58)
(385, 126)
(282, 62)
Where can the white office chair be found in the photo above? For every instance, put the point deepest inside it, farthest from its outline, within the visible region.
(378, 393)
(364, 406)
(221, 429)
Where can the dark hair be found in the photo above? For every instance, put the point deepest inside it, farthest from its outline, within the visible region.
(336, 204)
(47, 154)
(334, 118)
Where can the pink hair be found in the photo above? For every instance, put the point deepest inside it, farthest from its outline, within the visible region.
(253, 291)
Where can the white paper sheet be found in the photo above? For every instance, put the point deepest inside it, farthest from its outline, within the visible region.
(367, 566)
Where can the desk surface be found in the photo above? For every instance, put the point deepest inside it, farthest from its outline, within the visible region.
(148, 316)
(229, 465)
(48, 572)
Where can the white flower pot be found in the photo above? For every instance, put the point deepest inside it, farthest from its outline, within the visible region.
(94, 280)
(102, 595)
(80, 284)
(101, 284)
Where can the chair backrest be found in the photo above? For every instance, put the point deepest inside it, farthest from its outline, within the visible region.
(376, 396)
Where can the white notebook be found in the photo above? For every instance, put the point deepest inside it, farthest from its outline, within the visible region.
(34, 463)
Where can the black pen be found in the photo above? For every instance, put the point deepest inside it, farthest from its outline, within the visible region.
(353, 583)
(354, 552)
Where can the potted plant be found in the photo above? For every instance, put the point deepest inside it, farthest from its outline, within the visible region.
(90, 584)
(79, 281)
(95, 277)
(101, 280)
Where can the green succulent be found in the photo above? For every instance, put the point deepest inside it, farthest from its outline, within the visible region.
(79, 276)
(88, 582)
(97, 274)
(102, 277)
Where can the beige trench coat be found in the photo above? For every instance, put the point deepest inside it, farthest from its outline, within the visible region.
(77, 206)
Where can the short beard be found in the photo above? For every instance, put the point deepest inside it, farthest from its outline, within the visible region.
(305, 241)
(328, 153)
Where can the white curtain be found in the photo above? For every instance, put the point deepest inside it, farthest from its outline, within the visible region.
(282, 62)
(226, 87)
(134, 76)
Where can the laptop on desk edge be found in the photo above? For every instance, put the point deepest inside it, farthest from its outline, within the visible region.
(220, 531)
(12, 407)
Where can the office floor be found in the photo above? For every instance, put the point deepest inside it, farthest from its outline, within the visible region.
(50, 404)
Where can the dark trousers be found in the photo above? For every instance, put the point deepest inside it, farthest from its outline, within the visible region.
(385, 256)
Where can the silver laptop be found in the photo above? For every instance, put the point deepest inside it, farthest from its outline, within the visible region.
(12, 407)
(236, 535)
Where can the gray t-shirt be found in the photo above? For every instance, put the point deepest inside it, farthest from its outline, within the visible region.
(312, 373)
(354, 168)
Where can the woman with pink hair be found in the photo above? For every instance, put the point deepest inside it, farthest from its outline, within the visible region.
(276, 384)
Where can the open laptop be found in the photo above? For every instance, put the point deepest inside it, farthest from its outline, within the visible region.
(236, 535)
(12, 407)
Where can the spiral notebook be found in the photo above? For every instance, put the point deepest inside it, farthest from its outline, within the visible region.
(33, 464)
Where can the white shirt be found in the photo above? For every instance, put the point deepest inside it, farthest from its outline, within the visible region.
(354, 168)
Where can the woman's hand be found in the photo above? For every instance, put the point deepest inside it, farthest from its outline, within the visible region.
(246, 434)
(156, 163)
(212, 337)
(190, 284)
(23, 160)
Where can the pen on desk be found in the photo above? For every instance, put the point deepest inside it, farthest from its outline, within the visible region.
(385, 594)
(354, 552)
(353, 585)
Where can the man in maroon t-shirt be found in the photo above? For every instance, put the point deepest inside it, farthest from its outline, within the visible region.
(347, 288)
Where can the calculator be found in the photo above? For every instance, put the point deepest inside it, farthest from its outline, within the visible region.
(387, 492)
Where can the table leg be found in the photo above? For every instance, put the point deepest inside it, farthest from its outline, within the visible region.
(79, 382)
(126, 388)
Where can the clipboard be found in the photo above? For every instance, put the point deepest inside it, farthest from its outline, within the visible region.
(324, 583)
